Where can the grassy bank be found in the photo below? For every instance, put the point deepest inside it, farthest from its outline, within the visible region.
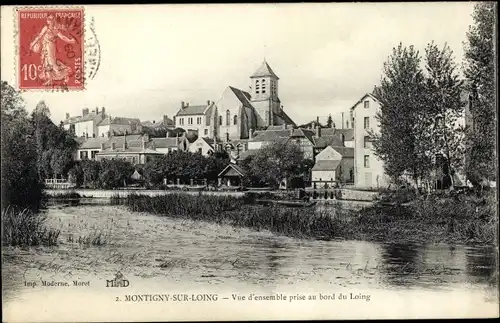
(466, 220)
(239, 211)
(26, 228)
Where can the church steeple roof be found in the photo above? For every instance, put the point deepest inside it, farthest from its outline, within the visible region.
(264, 70)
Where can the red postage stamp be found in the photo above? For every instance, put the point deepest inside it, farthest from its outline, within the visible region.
(51, 48)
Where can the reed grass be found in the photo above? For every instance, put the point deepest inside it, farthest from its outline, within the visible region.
(236, 211)
(26, 228)
(468, 220)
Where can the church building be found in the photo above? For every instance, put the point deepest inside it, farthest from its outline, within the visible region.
(238, 113)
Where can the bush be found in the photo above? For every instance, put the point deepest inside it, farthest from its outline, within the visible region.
(26, 228)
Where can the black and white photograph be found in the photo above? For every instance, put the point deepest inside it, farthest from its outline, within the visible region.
(235, 162)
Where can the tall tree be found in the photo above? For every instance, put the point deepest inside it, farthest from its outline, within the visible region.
(55, 146)
(20, 185)
(444, 106)
(479, 69)
(276, 162)
(400, 94)
(329, 121)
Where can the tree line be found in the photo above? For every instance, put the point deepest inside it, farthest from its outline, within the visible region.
(421, 105)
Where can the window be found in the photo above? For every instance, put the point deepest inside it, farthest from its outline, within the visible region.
(367, 161)
(220, 120)
(235, 120)
(366, 142)
(228, 118)
(93, 153)
(367, 122)
(200, 150)
(190, 120)
(181, 121)
(257, 86)
(84, 154)
(367, 104)
(198, 120)
(263, 86)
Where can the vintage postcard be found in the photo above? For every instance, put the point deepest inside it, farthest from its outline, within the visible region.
(249, 162)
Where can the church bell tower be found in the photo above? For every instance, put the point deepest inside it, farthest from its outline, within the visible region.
(264, 95)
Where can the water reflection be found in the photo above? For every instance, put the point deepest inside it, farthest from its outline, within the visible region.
(162, 250)
(482, 264)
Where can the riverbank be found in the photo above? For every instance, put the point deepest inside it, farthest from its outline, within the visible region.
(177, 255)
(470, 220)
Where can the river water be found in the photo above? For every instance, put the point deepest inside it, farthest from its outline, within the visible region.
(164, 255)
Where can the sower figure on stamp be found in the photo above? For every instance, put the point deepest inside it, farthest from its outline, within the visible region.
(45, 42)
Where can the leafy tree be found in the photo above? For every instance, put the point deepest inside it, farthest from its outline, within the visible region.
(443, 108)
(480, 74)
(400, 94)
(20, 184)
(154, 170)
(55, 146)
(114, 173)
(329, 121)
(91, 170)
(275, 162)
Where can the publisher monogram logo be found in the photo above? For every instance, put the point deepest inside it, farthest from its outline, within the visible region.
(118, 281)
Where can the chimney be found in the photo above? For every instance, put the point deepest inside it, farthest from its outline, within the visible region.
(96, 110)
(313, 125)
(102, 146)
(67, 116)
(250, 134)
(103, 111)
(113, 145)
(85, 112)
(165, 120)
(347, 124)
(183, 105)
(187, 104)
(208, 103)
(343, 139)
(154, 121)
(343, 120)
(318, 131)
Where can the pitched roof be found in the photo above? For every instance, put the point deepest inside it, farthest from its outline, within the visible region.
(243, 96)
(348, 133)
(237, 168)
(270, 135)
(193, 110)
(326, 165)
(118, 150)
(264, 70)
(119, 120)
(283, 116)
(93, 143)
(347, 152)
(363, 97)
(170, 142)
(247, 153)
(88, 117)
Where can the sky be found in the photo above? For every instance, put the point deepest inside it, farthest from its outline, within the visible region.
(327, 56)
